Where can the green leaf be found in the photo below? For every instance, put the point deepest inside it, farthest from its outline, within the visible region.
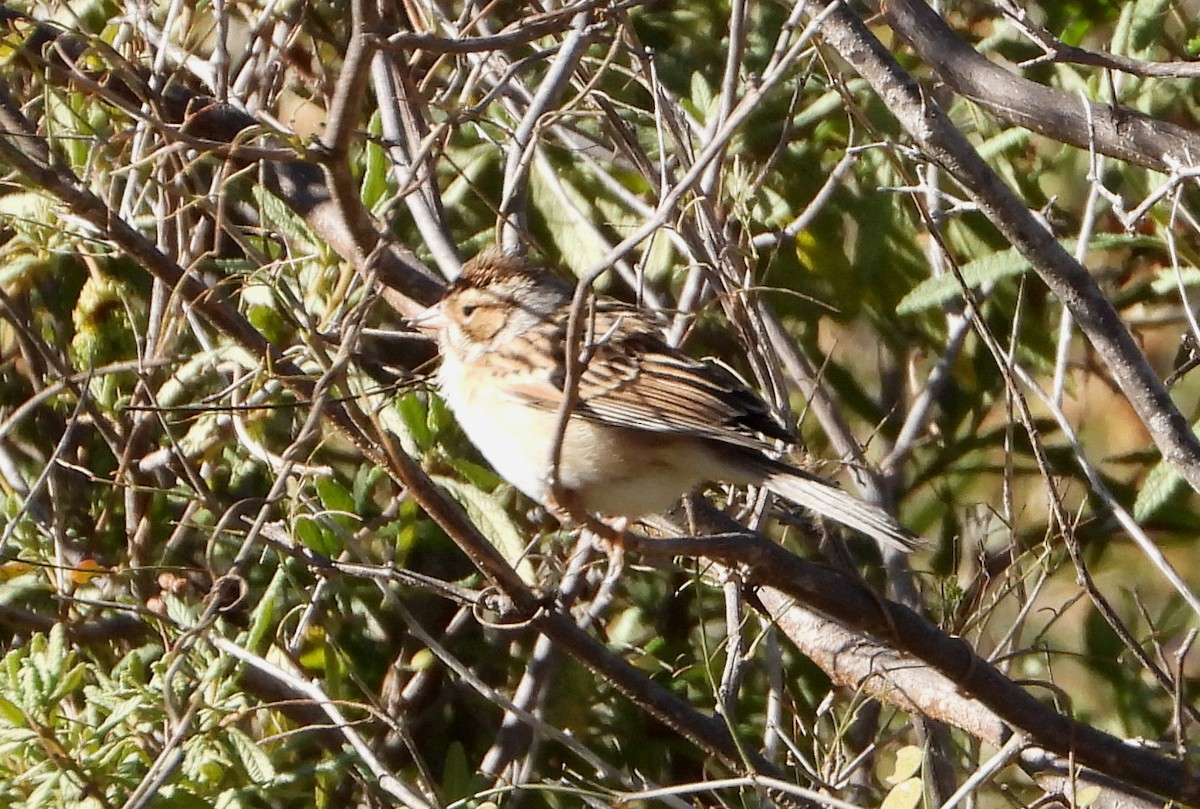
(1146, 27)
(905, 795)
(414, 416)
(1074, 33)
(257, 763)
(909, 760)
(46, 664)
(334, 496)
(283, 219)
(456, 774)
(123, 711)
(1166, 281)
(1119, 42)
(263, 618)
(482, 477)
(568, 221)
(310, 531)
(57, 648)
(177, 797)
(180, 611)
(1161, 483)
(376, 164)
(702, 97)
(937, 291)
(69, 681)
(268, 321)
(996, 266)
(492, 519)
(366, 477)
(9, 736)
(10, 713)
(45, 793)
(229, 799)
(1007, 140)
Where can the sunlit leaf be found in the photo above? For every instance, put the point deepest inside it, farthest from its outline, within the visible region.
(1163, 481)
(493, 520)
(996, 267)
(254, 758)
(904, 795)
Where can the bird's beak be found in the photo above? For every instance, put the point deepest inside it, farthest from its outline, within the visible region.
(430, 321)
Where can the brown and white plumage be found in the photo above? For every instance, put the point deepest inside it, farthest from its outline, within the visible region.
(649, 422)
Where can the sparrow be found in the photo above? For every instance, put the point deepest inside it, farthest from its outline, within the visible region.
(649, 423)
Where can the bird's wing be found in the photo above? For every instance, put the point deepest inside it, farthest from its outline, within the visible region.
(633, 378)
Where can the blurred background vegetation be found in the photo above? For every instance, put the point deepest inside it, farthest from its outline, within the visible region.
(161, 494)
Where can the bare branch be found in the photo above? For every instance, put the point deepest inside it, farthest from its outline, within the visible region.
(1069, 281)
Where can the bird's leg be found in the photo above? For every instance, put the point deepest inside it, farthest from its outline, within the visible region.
(608, 534)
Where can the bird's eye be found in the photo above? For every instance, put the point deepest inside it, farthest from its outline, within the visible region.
(469, 309)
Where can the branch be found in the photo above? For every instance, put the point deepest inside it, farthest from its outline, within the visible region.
(896, 655)
(708, 733)
(300, 184)
(1116, 131)
(925, 121)
(530, 28)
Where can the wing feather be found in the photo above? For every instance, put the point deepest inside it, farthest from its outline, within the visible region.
(633, 378)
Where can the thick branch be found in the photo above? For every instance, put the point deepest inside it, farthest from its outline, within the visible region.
(1119, 132)
(1067, 278)
(301, 185)
(886, 674)
(708, 733)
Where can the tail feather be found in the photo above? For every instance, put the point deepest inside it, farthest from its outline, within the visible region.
(842, 507)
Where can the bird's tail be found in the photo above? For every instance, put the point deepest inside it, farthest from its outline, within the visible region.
(840, 506)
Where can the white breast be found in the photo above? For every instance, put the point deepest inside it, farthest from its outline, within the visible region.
(515, 440)
(611, 470)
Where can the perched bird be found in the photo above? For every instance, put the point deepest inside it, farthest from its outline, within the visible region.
(649, 423)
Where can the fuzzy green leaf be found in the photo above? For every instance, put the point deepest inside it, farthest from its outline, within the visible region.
(254, 759)
(1161, 483)
(995, 267)
(492, 519)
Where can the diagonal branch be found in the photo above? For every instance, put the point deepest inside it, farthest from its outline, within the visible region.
(925, 121)
(1113, 130)
(916, 666)
(707, 732)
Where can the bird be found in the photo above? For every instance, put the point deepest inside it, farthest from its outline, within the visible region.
(649, 422)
